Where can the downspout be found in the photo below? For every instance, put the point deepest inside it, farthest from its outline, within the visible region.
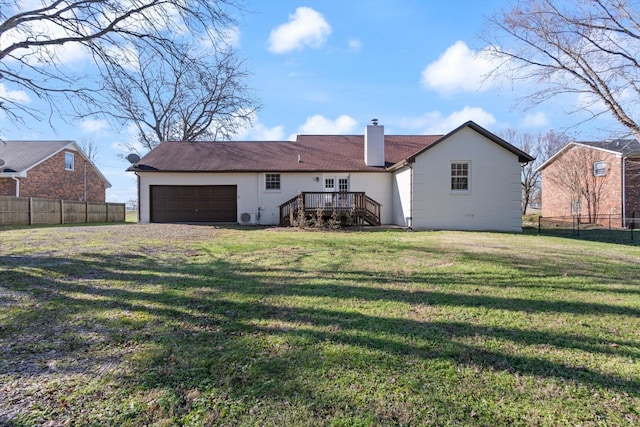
(258, 214)
(624, 193)
(410, 222)
(139, 205)
(17, 185)
(85, 181)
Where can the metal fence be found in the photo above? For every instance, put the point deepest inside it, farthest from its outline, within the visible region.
(34, 210)
(605, 227)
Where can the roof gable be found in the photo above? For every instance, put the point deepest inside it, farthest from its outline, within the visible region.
(620, 147)
(522, 156)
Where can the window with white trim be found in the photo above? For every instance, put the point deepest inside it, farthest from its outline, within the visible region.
(330, 184)
(343, 185)
(272, 181)
(599, 168)
(460, 176)
(68, 161)
(575, 207)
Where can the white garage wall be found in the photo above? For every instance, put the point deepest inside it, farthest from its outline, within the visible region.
(247, 187)
(253, 198)
(494, 200)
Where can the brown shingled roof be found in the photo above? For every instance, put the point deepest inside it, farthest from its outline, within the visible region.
(23, 155)
(317, 153)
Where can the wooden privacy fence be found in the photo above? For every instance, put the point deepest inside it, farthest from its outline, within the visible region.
(34, 210)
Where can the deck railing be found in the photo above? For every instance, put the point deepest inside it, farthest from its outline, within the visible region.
(362, 207)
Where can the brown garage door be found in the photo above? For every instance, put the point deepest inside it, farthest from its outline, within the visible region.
(194, 203)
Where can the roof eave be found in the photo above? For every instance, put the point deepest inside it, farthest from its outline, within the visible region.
(575, 144)
(267, 170)
(21, 174)
(401, 164)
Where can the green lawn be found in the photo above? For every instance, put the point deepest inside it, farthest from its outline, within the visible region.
(194, 325)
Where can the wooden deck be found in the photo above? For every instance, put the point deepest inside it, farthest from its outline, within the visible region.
(355, 207)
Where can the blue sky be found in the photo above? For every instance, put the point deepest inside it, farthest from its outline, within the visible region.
(331, 66)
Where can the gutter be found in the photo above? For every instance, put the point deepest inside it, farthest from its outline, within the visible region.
(400, 165)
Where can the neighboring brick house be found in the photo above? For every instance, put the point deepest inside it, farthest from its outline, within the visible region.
(595, 179)
(49, 169)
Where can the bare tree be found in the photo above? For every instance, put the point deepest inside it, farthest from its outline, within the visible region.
(575, 177)
(541, 146)
(90, 148)
(590, 48)
(197, 96)
(36, 38)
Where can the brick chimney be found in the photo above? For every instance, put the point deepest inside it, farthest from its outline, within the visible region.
(374, 144)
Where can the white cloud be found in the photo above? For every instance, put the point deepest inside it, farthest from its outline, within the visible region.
(318, 124)
(227, 37)
(306, 27)
(231, 36)
(435, 123)
(130, 143)
(459, 69)
(93, 125)
(535, 120)
(594, 104)
(19, 96)
(355, 45)
(125, 55)
(257, 131)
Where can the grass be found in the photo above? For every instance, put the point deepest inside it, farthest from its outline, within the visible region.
(195, 325)
(131, 216)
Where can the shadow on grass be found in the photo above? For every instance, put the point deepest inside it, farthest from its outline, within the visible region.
(214, 307)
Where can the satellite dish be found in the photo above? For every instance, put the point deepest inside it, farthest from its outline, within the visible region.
(133, 158)
(1, 162)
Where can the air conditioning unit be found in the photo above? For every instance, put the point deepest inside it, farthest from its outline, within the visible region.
(247, 218)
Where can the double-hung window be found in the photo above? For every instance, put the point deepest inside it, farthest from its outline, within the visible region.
(68, 161)
(460, 176)
(272, 181)
(599, 168)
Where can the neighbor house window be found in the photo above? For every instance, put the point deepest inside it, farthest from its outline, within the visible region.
(575, 207)
(68, 161)
(599, 169)
(272, 181)
(460, 176)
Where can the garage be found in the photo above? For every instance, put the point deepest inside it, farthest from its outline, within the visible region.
(194, 203)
